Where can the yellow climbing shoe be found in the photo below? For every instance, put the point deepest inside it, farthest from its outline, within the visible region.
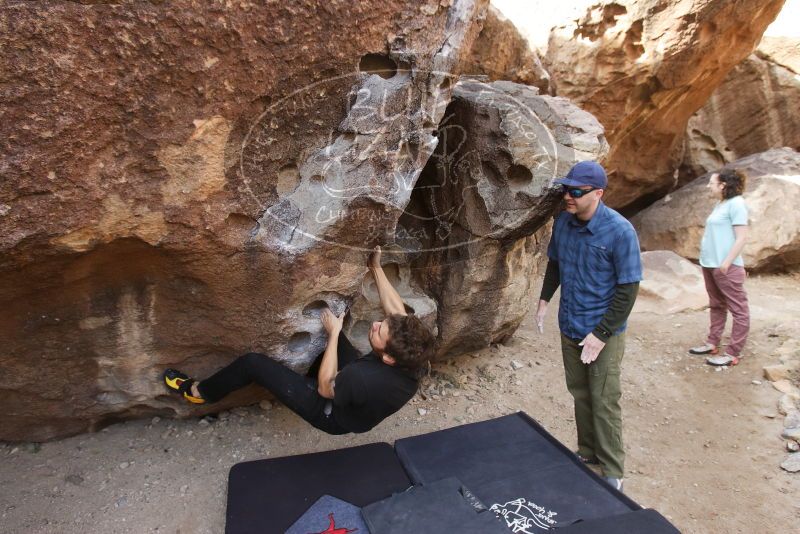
(180, 383)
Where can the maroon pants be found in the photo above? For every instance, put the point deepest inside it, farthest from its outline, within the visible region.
(726, 292)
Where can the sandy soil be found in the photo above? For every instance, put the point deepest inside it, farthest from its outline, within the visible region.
(704, 446)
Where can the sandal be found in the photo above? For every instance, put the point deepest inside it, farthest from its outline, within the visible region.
(724, 360)
(708, 348)
(181, 383)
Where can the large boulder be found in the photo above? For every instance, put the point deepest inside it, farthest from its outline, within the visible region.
(502, 53)
(756, 108)
(483, 205)
(670, 284)
(677, 221)
(183, 183)
(643, 67)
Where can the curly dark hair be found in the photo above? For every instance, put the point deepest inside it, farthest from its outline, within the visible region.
(733, 182)
(410, 342)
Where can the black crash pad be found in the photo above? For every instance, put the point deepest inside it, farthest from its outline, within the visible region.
(268, 496)
(510, 463)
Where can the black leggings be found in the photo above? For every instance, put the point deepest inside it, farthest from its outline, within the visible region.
(299, 393)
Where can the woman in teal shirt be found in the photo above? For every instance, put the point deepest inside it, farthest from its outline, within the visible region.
(723, 269)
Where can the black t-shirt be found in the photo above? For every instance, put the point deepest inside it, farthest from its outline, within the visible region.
(366, 390)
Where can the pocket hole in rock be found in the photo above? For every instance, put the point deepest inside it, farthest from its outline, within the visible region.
(519, 176)
(379, 64)
(299, 341)
(288, 180)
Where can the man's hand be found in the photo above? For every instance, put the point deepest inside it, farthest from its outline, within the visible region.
(332, 323)
(591, 348)
(724, 267)
(375, 258)
(540, 313)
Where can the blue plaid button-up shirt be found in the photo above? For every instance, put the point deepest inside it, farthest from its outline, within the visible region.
(592, 259)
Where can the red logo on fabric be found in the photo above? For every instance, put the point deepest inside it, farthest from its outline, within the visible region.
(332, 528)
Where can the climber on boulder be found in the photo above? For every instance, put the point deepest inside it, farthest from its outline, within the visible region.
(351, 392)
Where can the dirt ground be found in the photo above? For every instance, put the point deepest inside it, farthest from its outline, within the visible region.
(704, 446)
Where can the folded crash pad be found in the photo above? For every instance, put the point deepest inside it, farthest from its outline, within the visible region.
(435, 508)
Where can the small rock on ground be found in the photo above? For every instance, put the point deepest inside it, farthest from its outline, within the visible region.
(791, 463)
(792, 420)
(791, 433)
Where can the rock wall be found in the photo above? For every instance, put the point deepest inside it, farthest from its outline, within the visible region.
(189, 180)
(643, 67)
(502, 53)
(756, 108)
(677, 221)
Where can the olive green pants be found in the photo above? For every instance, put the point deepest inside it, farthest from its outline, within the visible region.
(596, 390)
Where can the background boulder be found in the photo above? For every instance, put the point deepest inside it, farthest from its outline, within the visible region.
(756, 108)
(670, 284)
(677, 221)
(643, 68)
(502, 53)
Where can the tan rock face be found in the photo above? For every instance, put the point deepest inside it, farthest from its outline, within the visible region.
(756, 108)
(502, 53)
(193, 184)
(671, 284)
(643, 68)
(677, 221)
(484, 202)
(182, 183)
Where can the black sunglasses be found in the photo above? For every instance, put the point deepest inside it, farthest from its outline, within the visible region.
(574, 192)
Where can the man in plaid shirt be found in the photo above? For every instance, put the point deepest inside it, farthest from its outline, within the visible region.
(594, 256)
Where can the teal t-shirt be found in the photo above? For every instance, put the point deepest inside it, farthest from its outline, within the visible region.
(719, 237)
